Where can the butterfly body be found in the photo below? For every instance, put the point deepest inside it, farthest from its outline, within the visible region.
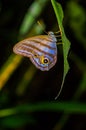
(41, 50)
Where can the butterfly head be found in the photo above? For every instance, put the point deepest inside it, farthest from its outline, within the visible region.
(52, 36)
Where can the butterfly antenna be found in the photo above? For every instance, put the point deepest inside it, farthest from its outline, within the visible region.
(41, 27)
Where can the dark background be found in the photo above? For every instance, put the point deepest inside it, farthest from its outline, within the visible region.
(43, 86)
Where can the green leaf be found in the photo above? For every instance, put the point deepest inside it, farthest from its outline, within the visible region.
(66, 44)
(16, 121)
(23, 111)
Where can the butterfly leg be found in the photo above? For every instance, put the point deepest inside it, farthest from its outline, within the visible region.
(59, 36)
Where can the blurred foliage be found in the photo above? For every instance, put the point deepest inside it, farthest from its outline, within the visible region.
(27, 94)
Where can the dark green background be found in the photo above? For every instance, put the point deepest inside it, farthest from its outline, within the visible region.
(44, 86)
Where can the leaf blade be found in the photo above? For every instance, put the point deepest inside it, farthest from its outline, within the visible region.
(66, 44)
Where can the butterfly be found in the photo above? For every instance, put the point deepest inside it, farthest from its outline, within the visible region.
(42, 50)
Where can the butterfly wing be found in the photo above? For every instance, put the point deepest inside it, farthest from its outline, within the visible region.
(38, 48)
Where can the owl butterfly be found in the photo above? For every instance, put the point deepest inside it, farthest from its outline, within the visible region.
(41, 50)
